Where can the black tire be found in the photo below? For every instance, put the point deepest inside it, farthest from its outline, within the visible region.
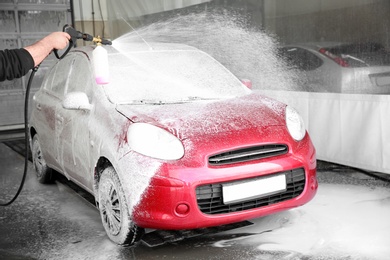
(114, 211)
(43, 172)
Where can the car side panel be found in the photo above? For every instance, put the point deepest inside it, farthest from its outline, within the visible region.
(44, 112)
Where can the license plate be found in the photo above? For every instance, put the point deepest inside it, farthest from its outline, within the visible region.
(380, 79)
(246, 190)
(383, 81)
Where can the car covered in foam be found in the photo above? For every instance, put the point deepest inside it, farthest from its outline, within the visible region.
(173, 141)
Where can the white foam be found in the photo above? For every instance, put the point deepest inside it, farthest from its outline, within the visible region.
(246, 52)
(342, 220)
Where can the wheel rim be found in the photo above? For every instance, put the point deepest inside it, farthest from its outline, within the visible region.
(39, 162)
(111, 209)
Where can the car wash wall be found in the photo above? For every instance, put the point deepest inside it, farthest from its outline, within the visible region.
(21, 24)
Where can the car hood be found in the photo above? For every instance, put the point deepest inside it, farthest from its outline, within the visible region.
(197, 118)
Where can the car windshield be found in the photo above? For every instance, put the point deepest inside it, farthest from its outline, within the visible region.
(168, 77)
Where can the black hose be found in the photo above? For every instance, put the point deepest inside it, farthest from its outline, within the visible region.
(26, 137)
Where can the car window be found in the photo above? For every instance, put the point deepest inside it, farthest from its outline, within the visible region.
(59, 79)
(300, 58)
(48, 80)
(362, 54)
(80, 76)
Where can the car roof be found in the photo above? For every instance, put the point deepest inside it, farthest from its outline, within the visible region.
(133, 47)
(346, 46)
(315, 45)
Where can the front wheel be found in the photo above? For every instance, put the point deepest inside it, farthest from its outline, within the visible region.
(114, 211)
(43, 172)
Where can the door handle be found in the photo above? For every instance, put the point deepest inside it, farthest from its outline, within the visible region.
(38, 106)
(60, 119)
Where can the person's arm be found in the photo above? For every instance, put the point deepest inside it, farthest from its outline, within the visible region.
(15, 64)
(42, 48)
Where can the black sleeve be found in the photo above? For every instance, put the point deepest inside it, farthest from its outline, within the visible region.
(15, 63)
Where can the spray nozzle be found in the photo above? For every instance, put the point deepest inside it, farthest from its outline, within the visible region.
(75, 35)
(99, 40)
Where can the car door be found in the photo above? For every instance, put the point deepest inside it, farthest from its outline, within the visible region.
(73, 132)
(46, 102)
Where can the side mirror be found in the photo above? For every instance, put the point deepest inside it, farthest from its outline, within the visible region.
(247, 83)
(76, 101)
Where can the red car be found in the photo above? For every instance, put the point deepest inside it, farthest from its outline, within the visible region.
(173, 141)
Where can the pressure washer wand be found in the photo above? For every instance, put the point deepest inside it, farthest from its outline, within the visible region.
(75, 35)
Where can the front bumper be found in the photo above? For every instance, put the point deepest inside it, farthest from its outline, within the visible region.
(174, 203)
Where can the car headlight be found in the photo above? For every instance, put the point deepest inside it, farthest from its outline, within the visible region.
(154, 142)
(295, 124)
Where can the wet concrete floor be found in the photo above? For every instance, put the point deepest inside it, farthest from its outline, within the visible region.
(348, 219)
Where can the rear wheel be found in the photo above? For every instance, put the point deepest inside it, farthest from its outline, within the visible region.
(43, 172)
(114, 211)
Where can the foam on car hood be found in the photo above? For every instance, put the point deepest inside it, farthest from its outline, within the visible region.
(209, 117)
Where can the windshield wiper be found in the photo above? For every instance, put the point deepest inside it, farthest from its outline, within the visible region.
(161, 102)
(144, 102)
(192, 98)
(347, 56)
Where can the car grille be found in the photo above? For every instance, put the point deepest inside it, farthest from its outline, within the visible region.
(248, 154)
(210, 201)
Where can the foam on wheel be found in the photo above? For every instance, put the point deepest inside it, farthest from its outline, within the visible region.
(114, 211)
(43, 172)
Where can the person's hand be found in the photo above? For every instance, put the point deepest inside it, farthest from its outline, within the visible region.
(57, 40)
(42, 48)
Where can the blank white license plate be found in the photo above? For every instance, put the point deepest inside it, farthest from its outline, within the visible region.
(241, 191)
(383, 81)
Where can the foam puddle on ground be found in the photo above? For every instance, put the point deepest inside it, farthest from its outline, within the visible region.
(342, 221)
